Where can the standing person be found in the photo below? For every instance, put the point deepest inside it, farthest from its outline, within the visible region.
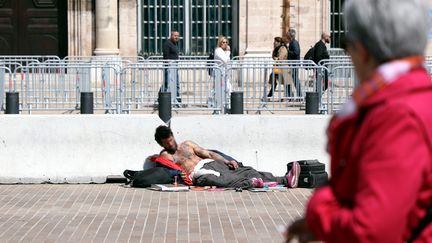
(294, 54)
(380, 144)
(280, 52)
(171, 52)
(321, 53)
(223, 53)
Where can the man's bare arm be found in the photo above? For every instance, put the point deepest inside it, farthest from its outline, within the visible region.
(206, 154)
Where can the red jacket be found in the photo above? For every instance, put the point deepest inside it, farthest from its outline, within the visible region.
(381, 179)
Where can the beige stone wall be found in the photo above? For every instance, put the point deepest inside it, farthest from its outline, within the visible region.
(261, 20)
(81, 39)
(128, 32)
(310, 18)
(82, 30)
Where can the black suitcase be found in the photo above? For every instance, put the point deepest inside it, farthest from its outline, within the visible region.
(312, 173)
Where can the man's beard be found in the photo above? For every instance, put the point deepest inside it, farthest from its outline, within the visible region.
(172, 150)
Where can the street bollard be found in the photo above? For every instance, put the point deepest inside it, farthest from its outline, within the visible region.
(164, 101)
(86, 103)
(237, 103)
(312, 102)
(12, 103)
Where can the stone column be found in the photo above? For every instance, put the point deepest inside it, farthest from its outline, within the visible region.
(80, 28)
(106, 28)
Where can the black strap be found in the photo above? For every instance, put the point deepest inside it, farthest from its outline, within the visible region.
(421, 226)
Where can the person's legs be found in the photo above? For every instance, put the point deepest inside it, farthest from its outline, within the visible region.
(325, 80)
(165, 84)
(242, 176)
(226, 179)
(296, 82)
(177, 87)
(273, 83)
(289, 180)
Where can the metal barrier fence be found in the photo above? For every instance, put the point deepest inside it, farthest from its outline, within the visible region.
(253, 58)
(24, 60)
(118, 60)
(343, 81)
(336, 52)
(126, 87)
(53, 86)
(5, 77)
(290, 84)
(199, 85)
(191, 58)
(204, 85)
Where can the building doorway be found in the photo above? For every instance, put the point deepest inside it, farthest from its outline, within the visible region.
(33, 27)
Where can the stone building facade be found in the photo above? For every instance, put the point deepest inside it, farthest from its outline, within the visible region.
(258, 22)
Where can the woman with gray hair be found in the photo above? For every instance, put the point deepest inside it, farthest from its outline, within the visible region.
(380, 143)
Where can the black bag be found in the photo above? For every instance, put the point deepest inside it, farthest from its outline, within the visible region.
(310, 54)
(145, 178)
(312, 173)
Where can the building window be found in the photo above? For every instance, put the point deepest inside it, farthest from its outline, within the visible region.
(337, 29)
(198, 21)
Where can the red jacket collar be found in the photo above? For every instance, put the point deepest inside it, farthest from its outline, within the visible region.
(415, 80)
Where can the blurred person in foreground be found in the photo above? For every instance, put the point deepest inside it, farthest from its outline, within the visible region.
(380, 142)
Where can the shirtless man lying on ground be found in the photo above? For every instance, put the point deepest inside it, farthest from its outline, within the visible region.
(207, 168)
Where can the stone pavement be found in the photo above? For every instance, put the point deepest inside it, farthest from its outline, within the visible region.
(115, 213)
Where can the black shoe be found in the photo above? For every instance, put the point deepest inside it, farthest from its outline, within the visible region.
(270, 94)
(129, 174)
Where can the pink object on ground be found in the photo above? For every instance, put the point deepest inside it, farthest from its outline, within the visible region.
(271, 183)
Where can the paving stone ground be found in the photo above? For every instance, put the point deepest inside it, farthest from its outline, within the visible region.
(115, 213)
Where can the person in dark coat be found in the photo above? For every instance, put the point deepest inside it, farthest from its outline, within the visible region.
(171, 52)
(294, 54)
(321, 53)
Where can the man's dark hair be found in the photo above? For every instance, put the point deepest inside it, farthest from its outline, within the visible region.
(162, 132)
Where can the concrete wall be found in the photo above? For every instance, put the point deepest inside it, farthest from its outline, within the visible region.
(87, 148)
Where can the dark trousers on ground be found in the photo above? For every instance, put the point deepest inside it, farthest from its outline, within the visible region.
(241, 177)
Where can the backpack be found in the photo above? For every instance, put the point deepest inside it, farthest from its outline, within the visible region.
(210, 59)
(145, 178)
(310, 54)
(312, 173)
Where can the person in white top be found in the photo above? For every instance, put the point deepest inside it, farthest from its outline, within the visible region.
(223, 53)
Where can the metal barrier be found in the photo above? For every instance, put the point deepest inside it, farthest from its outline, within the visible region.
(121, 86)
(336, 52)
(5, 74)
(198, 90)
(343, 82)
(115, 59)
(53, 86)
(253, 58)
(255, 78)
(25, 60)
(191, 58)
